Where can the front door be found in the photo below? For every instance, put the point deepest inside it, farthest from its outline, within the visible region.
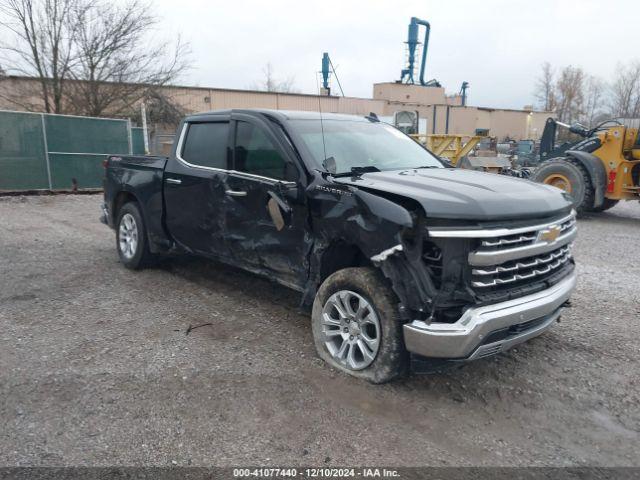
(266, 218)
(195, 184)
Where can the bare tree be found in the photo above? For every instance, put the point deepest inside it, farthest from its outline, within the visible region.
(570, 94)
(161, 110)
(575, 96)
(118, 65)
(594, 100)
(91, 57)
(545, 91)
(625, 91)
(271, 84)
(41, 45)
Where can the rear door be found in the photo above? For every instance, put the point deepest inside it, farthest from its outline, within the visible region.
(194, 186)
(266, 218)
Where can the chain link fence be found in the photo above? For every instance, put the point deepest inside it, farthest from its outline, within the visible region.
(47, 151)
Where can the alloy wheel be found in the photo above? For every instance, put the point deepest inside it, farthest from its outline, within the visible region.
(351, 329)
(128, 236)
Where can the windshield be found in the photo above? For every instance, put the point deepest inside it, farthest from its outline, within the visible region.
(362, 144)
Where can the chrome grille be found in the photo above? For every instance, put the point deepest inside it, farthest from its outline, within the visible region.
(523, 239)
(510, 258)
(522, 243)
(511, 240)
(523, 269)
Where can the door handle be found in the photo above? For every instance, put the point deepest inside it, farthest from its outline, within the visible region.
(235, 193)
(175, 181)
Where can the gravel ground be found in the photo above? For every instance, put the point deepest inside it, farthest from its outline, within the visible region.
(96, 367)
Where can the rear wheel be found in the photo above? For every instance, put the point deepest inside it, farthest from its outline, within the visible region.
(131, 238)
(356, 325)
(566, 174)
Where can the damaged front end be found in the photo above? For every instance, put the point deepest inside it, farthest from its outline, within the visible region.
(466, 290)
(429, 276)
(480, 291)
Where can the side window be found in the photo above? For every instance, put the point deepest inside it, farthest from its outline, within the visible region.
(206, 144)
(256, 154)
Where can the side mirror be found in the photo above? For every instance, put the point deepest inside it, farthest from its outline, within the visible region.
(329, 164)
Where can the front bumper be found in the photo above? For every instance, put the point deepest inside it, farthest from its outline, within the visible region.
(490, 329)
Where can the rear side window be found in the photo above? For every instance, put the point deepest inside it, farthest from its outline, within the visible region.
(256, 154)
(206, 144)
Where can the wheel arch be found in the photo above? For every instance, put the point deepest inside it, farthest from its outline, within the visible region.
(597, 173)
(340, 254)
(159, 239)
(119, 200)
(127, 196)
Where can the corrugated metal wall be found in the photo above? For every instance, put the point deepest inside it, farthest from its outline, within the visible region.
(203, 99)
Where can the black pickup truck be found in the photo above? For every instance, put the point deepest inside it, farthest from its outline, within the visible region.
(398, 256)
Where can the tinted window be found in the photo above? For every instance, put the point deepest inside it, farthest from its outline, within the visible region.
(256, 154)
(206, 144)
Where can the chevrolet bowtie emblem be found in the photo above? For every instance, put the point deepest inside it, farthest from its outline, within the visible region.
(549, 235)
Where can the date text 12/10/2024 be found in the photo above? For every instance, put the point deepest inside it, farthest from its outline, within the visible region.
(363, 472)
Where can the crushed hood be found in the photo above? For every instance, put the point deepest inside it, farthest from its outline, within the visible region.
(466, 194)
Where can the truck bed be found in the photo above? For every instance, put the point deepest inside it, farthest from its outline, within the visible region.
(142, 161)
(140, 176)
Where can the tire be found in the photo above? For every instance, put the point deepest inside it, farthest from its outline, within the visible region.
(131, 238)
(606, 205)
(352, 288)
(568, 175)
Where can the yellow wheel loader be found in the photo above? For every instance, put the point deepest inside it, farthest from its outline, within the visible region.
(598, 171)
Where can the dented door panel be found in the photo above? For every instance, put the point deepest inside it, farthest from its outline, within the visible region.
(253, 234)
(195, 214)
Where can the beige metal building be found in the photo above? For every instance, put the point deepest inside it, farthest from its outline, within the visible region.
(442, 113)
(438, 112)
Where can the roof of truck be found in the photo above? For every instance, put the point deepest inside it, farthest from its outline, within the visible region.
(282, 114)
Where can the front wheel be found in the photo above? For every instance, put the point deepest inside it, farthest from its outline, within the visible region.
(356, 325)
(568, 175)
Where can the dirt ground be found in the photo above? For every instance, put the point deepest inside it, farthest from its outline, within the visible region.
(96, 367)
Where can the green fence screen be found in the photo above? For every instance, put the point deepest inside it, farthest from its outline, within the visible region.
(137, 140)
(42, 151)
(22, 152)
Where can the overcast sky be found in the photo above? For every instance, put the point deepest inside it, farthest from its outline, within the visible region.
(495, 45)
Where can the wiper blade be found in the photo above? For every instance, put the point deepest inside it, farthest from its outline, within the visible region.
(357, 171)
